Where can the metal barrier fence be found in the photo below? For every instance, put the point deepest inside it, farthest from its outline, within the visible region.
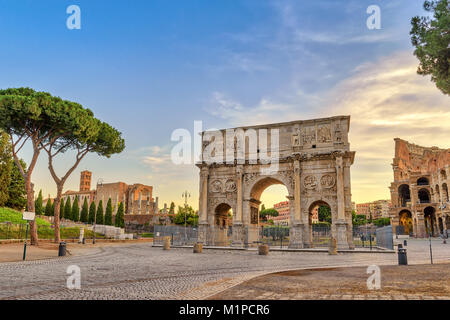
(385, 238)
(364, 236)
(179, 235)
(276, 236)
(321, 236)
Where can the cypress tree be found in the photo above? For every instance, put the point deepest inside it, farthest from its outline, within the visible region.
(38, 208)
(48, 208)
(53, 209)
(100, 212)
(61, 209)
(68, 209)
(172, 208)
(92, 210)
(120, 216)
(84, 211)
(75, 210)
(108, 214)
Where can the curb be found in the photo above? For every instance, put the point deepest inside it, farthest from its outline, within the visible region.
(379, 250)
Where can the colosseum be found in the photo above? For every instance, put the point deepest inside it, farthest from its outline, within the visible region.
(419, 193)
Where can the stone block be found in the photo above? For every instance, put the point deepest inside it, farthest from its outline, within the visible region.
(198, 248)
(263, 250)
(332, 247)
(166, 245)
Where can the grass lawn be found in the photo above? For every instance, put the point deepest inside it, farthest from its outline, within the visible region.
(146, 235)
(15, 217)
(17, 228)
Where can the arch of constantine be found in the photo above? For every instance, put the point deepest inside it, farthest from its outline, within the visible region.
(311, 158)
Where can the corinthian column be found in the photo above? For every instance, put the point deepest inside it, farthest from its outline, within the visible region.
(298, 235)
(297, 192)
(341, 226)
(340, 188)
(239, 176)
(238, 227)
(203, 205)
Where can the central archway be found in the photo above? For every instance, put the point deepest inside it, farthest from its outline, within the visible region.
(260, 188)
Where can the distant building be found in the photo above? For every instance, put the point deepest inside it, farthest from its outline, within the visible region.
(137, 198)
(374, 210)
(315, 215)
(85, 180)
(283, 213)
(363, 209)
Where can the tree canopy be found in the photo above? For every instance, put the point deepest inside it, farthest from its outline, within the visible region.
(84, 211)
(431, 38)
(119, 220)
(5, 168)
(108, 213)
(358, 219)
(92, 210)
(38, 207)
(325, 214)
(191, 216)
(100, 215)
(56, 126)
(265, 213)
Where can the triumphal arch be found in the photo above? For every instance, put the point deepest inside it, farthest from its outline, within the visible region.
(311, 158)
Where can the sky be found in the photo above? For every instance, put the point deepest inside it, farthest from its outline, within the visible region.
(149, 67)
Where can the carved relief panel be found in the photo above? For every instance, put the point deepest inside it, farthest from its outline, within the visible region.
(253, 215)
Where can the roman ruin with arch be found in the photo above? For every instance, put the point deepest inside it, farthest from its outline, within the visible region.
(313, 161)
(419, 192)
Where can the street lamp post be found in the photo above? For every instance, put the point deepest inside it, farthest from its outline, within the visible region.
(185, 195)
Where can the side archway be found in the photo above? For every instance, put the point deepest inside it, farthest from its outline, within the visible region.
(222, 217)
(320, 216)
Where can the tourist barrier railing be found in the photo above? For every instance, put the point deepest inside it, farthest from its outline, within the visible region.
(179, 235)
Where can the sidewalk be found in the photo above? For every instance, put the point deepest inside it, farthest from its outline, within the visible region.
(46, 250)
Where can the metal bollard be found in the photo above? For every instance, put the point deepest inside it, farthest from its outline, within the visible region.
(402, 257)
(405, 243)
(62, 249)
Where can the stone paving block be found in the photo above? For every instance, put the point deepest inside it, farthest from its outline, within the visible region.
(145, 272)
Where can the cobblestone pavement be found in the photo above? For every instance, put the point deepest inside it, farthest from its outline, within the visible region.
(145, 272)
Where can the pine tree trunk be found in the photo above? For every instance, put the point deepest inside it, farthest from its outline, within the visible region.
(30, 204)
(57, 213)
